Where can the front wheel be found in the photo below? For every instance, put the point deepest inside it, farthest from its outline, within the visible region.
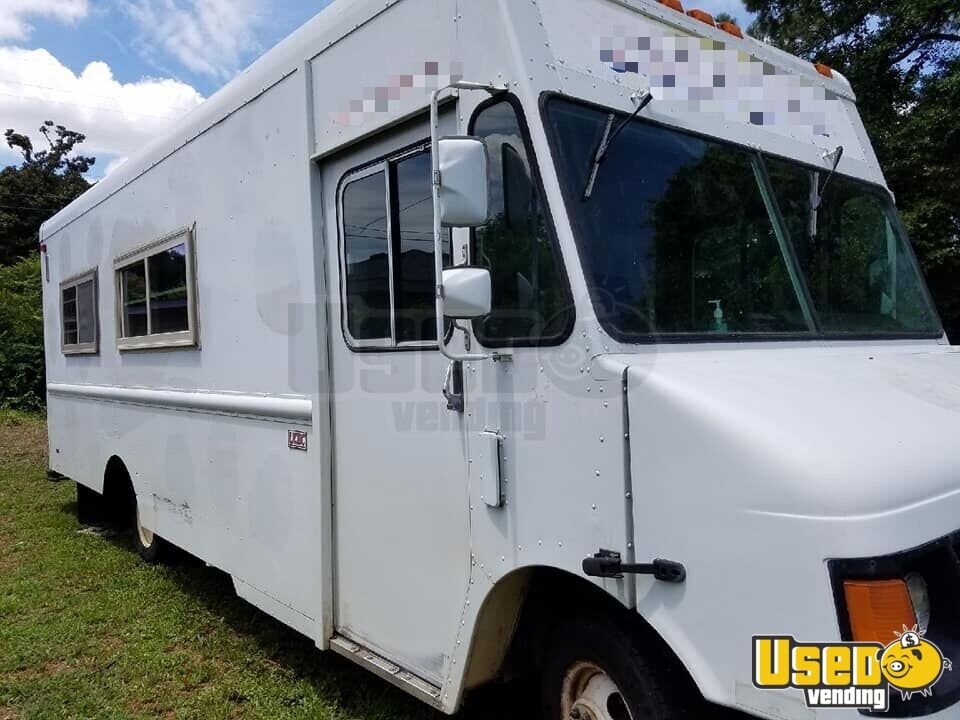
(597, 670)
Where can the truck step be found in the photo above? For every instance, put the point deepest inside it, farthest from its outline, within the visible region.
(389, 671)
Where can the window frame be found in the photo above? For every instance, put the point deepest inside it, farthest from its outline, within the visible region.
(551, 227)
(186, 339)
(75, 281)
(384, 164)
(547, 97)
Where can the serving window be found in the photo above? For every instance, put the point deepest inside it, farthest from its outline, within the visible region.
(156, 295)
(79, 316)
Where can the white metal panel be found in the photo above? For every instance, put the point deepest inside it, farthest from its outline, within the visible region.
(754, 466)
(189, 424)
(361, 87)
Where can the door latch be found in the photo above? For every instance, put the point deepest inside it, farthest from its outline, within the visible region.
(608, 564)
(453, 387)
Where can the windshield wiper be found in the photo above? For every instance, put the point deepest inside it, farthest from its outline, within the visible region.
(838, 155)
(609, 136)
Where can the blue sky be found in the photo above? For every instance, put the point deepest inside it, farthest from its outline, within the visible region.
(122, 70)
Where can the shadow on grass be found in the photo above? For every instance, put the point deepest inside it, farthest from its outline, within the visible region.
(334, 678)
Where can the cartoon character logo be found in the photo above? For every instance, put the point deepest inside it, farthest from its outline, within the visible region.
(913, 665)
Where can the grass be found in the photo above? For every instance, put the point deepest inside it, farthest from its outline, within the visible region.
(87, 630)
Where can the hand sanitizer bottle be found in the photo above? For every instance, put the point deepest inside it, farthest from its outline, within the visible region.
(719, 324)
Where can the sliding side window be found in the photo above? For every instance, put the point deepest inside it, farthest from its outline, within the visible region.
(79, 315)
(387, 224)
(156, 295)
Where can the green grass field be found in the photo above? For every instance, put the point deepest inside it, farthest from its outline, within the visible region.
(87, 630)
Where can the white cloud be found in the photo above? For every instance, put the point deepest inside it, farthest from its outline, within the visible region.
(117, 118)
(14, 14)
(209, 37)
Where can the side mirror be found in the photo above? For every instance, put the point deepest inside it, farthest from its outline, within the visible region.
(466, 293)
(464, 193)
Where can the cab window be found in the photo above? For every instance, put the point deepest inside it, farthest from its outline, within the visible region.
(531, 297)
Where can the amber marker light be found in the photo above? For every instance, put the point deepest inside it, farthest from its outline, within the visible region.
(878, 609)
(824, 70)
(731, 28)
(673, 4)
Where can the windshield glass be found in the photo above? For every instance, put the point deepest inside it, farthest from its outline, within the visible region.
(855, 259)
(685, 236)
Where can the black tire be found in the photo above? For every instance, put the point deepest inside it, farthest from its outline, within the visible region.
(150, 546)
(650, 683)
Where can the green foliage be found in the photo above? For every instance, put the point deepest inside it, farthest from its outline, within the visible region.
(903, 59)
(22, 383)
(43, 184)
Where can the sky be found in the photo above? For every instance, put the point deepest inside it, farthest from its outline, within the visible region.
(121, 71)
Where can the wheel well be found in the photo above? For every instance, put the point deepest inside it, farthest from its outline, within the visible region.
(524, 608)
(118, 492)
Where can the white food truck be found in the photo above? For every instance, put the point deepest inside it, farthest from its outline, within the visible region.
(482, 338)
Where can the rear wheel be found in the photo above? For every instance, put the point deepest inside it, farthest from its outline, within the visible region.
(597, 670)
(149, 545)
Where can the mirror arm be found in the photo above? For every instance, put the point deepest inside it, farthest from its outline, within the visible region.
(437, 221)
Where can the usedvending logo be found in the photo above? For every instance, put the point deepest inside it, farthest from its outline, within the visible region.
(850, 675)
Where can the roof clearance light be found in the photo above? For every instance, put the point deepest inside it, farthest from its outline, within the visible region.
(732, 28)
(878, 609)
(673, 4)
(824, 70)
(702, 16)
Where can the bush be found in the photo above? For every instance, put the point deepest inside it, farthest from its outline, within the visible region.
(22, 378)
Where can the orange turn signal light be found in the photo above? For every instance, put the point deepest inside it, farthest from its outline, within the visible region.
(673, 4)
(878, 609)
(732, 28)
(702, 16)
(824, 70)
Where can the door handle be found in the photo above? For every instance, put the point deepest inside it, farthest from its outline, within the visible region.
(491, 468)
(607, 564)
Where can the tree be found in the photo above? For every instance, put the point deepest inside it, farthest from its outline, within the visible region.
(22, 383)
(903, 59)
(45, 182)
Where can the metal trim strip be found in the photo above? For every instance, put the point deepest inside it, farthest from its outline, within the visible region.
(297, 410)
